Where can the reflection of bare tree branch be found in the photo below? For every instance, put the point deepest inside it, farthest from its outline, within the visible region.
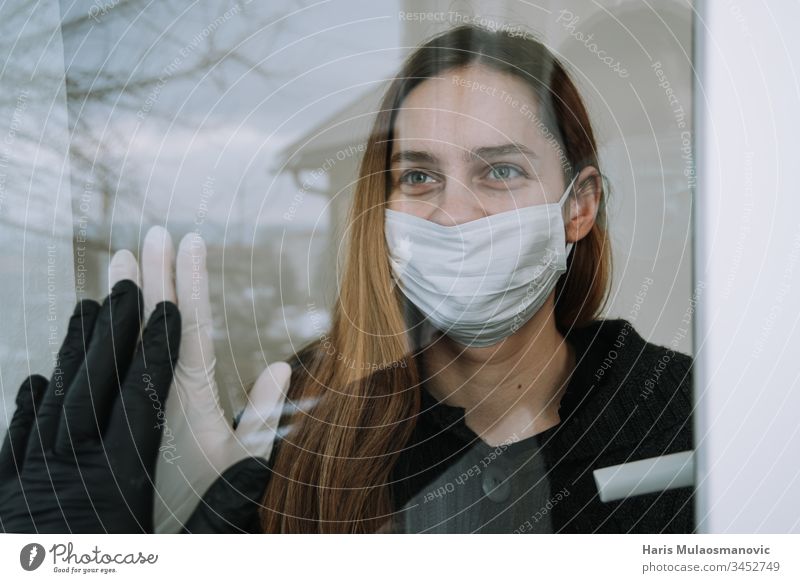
(95, 94)
(92, 16)
(105, 97)
(80, 89)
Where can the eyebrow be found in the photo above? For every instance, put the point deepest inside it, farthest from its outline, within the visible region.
(485, 152)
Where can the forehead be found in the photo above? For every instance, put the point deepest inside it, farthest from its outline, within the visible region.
(468, 107)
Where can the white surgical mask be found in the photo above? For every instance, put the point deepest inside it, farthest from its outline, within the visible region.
(480, 281)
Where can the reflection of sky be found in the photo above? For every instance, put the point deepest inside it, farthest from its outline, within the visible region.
(36, 270)
(227, 121)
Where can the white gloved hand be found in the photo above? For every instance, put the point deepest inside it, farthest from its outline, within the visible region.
(199, 442)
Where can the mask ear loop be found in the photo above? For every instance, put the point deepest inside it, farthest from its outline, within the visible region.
(564, 197)
(568, 191)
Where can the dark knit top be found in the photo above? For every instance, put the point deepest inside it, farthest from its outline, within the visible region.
(627, 399)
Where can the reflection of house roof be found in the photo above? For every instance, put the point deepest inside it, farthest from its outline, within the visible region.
(347, 126)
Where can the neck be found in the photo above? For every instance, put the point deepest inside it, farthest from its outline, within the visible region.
(510, 390)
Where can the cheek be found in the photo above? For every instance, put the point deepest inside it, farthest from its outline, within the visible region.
(394, 203)
(403, 206)
(396, 199)
(419, 208)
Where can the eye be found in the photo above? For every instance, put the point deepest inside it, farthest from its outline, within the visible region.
(505, 172)
(416, 178)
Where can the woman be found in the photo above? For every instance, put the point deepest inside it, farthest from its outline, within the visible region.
(489, 347)
(466, 383)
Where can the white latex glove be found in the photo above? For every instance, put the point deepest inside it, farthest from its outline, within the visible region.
(199, 442)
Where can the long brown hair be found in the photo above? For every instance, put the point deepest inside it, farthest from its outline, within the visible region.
(331, 472)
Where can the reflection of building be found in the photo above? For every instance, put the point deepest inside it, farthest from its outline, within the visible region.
(640, 134)
(325, 160)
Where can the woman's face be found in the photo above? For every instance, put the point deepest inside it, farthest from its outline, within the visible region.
(471, 144)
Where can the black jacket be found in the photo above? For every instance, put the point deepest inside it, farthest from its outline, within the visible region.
(628, 399)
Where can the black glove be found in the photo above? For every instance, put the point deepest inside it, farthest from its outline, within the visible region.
(232, 502)
(80, 452)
